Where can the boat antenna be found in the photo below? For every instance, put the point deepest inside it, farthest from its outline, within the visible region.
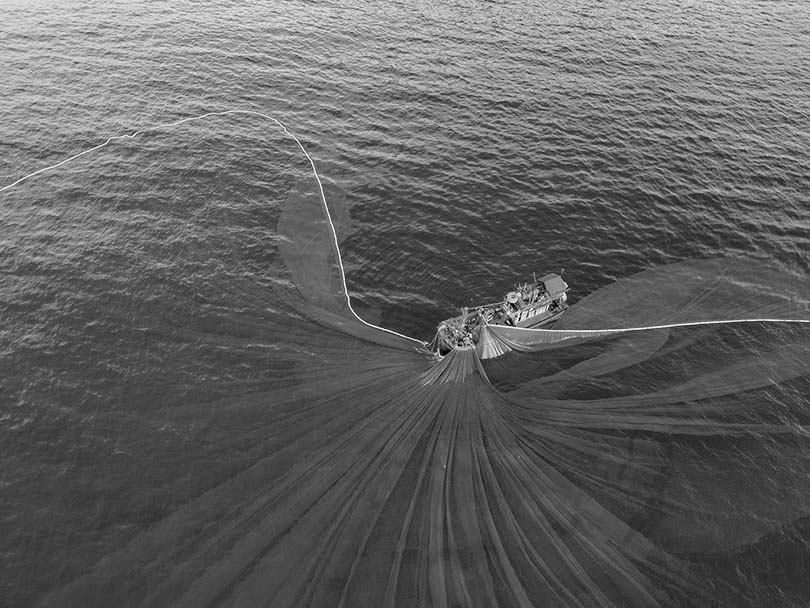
(562, 270)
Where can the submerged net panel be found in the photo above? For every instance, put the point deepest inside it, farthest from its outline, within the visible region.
(308, 245)
(310, 229)
(695, 293)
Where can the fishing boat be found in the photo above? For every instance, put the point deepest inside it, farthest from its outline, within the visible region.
(530, 305)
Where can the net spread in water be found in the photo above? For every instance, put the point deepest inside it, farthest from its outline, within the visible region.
(335, 463)
(386, 477)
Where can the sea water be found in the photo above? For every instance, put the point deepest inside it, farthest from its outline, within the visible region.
(474, 143)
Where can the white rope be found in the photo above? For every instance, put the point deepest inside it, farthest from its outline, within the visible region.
(585, 332)
(568, 332)
(224, 113)
(124, 136)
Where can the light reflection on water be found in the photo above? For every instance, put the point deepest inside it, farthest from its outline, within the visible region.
(164, 405)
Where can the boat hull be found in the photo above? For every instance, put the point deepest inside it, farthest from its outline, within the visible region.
(446, 343)
(531, 306)
(540, 320)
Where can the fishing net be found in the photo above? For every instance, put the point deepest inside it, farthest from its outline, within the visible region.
(694, 293)
(231, 433)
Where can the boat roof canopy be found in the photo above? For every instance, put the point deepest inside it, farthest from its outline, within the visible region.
(554, 284)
